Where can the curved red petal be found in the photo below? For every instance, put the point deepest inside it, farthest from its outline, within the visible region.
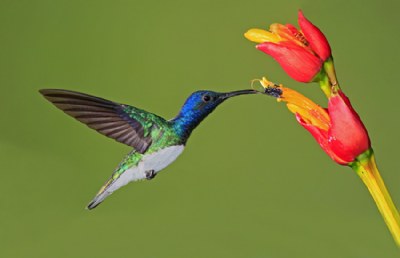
(321, 137)
(315, 37)
(292, 29)
(297, 62)
(348, 137)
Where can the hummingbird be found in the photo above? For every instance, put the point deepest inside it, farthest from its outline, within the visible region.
(156, 142)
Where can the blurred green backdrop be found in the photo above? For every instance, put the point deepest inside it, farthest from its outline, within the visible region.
(251, 183)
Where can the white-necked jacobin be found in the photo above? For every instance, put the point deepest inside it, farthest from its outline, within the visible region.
(156, 142)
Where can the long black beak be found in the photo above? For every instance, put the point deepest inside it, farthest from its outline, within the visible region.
(227, 95)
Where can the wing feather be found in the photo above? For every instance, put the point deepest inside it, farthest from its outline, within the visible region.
(107, 117)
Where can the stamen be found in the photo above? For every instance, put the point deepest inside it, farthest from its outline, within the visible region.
(269, 87)
(267, 83)
(261, 90)
(297, 103)
(289, 33)
(299, 35)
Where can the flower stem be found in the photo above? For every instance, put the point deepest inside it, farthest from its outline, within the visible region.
(327, 78)
(365, 167)
(329, 68)
(325, 85)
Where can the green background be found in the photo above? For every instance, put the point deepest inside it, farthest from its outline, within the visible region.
(251, 183)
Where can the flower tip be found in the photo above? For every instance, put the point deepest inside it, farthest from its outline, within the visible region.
(260, 36)
(247, 35)
(254, 35)
(301, 19)
(300, 14)
(265, 47)
(315, 37)
(299, 119)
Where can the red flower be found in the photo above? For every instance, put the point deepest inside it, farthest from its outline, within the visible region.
(306, 56)
(346, 137)
(338, 129)
(300, 53)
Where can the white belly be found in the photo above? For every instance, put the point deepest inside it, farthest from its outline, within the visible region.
(160, 159)
(155, 161)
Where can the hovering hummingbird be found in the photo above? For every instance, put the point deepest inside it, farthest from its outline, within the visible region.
(156, 142)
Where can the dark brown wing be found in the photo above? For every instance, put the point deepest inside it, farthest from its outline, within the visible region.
(104, 116)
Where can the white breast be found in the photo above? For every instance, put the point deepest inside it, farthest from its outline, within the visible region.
(155, 161)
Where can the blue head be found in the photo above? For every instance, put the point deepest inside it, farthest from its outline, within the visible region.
(198, 106)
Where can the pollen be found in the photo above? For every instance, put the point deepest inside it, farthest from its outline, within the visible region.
(299, 35)
(269, 87)
(297, 103)
(273, 91)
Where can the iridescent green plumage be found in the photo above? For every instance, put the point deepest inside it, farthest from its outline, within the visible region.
(156, 142)
(161, 133)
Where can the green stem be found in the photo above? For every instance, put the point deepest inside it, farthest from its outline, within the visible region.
(365, 167)
(327, 78)
(329, 68)
(325, 85)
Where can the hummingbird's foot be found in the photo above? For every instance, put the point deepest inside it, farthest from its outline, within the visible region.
(150, 174)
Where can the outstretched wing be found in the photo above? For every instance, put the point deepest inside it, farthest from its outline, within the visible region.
(123, 123)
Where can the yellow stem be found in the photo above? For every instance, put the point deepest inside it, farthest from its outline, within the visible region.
(367, 170)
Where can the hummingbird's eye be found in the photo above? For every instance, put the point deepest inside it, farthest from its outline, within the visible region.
(206, 98)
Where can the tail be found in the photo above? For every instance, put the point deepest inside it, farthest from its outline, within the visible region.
(104, 192)
(117, 180)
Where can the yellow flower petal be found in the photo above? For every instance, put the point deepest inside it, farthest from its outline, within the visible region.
(260, 36)
(311, 112)
(308, 110)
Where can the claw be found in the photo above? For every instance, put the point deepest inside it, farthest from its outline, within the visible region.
(150, 174)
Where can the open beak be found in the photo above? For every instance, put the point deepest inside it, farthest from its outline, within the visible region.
(227, 95)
